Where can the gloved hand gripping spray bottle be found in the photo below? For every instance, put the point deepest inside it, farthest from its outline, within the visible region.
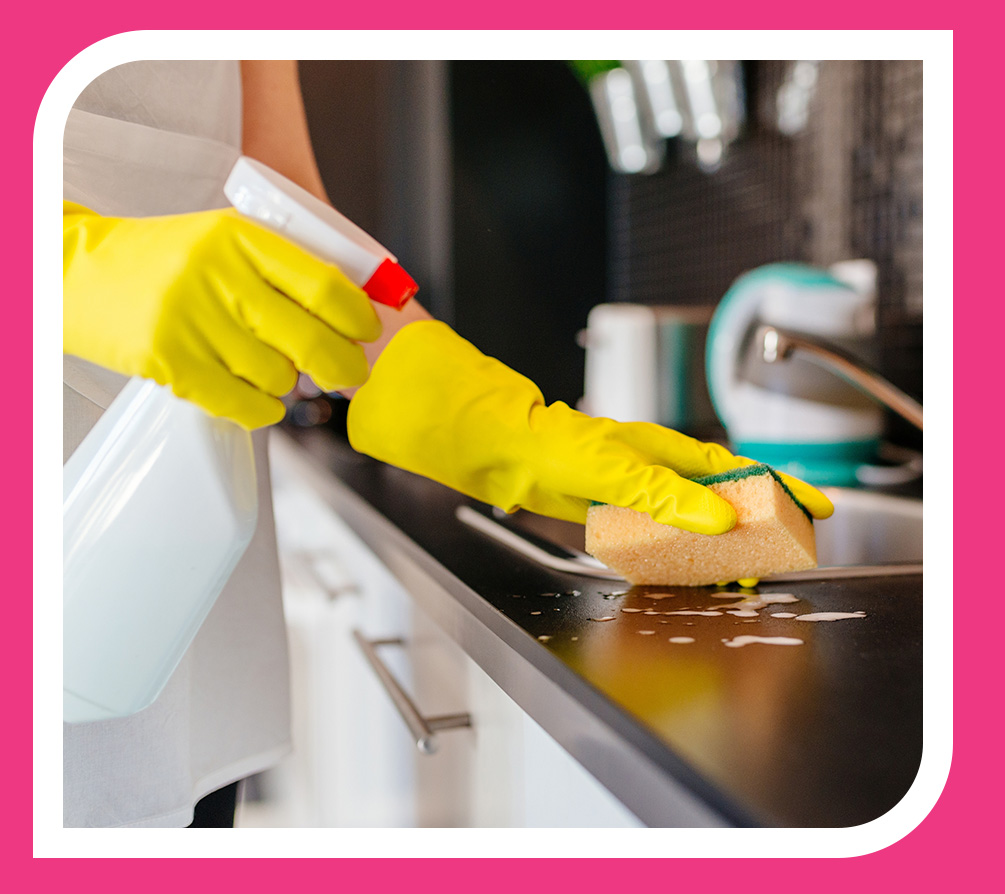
(160, 499)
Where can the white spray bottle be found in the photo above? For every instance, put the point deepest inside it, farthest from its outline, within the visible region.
(160, 499)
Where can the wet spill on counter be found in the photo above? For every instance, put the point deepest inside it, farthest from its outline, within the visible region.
(737, 641)
(745, 605)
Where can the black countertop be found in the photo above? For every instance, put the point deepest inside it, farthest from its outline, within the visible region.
(827, 732)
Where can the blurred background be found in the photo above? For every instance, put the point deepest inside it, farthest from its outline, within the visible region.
(522, 195)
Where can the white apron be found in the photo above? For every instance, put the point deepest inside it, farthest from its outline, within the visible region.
(159, 138)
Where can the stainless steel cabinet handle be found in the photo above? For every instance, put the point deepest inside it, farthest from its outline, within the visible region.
(423, 729)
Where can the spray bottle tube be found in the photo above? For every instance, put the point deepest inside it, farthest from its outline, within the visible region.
(160, 499)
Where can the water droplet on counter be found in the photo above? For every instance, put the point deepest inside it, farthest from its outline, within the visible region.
(743, 613)
(739, 641)
(544, 639)
(682, 639)
(704, 614)
(784, 615)
(605, 618)
(573, 593)
(830, 616)
(575, 638)
(646, 632)
(629, 611)
(535, 613)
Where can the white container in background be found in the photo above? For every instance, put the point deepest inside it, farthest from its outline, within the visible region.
(621, 379)
(646, 363)
(160, 499)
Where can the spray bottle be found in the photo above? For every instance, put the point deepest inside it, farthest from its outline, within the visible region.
(160, 499)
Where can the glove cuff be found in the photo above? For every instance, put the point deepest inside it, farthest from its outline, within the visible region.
(437, 406)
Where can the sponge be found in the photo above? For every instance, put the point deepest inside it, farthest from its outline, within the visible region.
(773, 533)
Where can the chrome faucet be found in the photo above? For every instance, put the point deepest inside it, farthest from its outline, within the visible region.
(778, 344)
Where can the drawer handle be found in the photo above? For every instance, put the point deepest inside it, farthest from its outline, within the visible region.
(301, 568)
(423, 729)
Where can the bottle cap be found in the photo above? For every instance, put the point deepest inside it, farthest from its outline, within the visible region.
(390, 284)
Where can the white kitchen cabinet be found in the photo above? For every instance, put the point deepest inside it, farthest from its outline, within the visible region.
(504, 771)
(354, 762)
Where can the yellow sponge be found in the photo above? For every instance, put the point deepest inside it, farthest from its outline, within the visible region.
(773, 533)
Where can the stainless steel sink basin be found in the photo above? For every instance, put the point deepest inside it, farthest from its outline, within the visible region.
(869, 529)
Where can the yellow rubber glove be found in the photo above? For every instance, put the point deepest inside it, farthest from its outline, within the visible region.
(219, 308)
(435, 405)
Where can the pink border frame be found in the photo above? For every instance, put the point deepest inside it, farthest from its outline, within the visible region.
(953, 845)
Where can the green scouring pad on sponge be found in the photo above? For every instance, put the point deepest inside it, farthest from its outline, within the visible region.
(773, 534)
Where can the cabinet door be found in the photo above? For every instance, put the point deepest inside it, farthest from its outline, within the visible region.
(351, 765)
(505, 771)
(354, 762)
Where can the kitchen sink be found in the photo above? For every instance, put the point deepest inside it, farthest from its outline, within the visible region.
(869, 528)
(871, 534)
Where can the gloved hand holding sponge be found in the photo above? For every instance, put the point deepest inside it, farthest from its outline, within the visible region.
(226, 313)
(212, 304)
(435, 405)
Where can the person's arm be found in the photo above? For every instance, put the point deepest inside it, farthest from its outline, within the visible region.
(274, 125)
(276, 133)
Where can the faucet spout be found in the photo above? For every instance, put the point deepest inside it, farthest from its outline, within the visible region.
(779, 344)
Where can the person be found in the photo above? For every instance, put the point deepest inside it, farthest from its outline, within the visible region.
(162, 280)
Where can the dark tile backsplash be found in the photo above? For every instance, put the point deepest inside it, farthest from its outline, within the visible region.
(847, 185)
